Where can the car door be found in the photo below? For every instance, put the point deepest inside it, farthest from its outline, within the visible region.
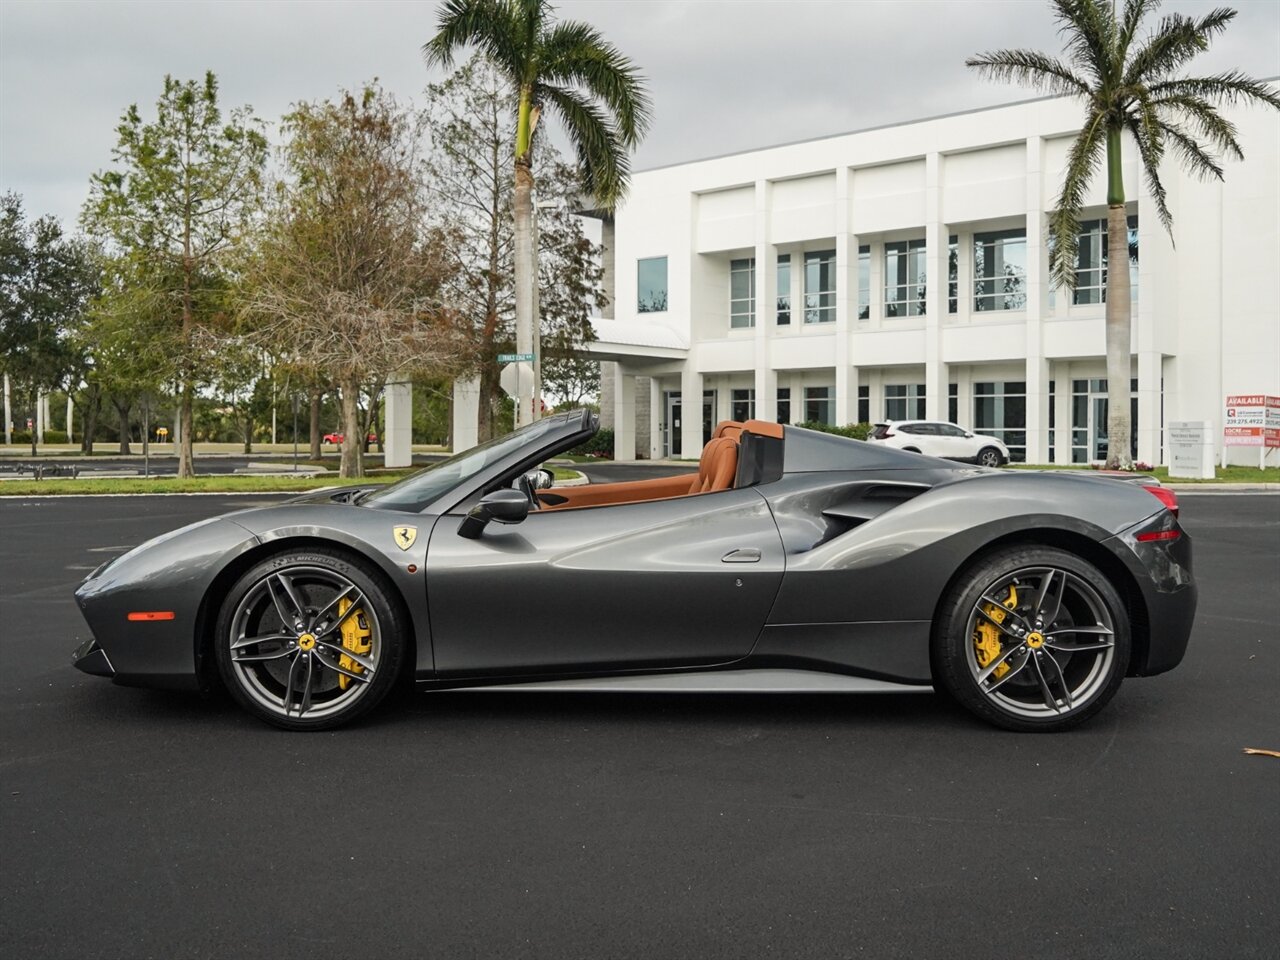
(951, 442)
(669, 583)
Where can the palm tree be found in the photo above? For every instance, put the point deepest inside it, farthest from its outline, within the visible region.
(1137, 86)
(570, 68)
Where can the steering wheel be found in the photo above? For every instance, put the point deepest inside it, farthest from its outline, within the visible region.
(526, 487)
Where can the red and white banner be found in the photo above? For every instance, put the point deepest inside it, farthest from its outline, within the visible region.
(1252, 420)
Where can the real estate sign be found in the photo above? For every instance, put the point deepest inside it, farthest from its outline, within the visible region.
(1252, 420)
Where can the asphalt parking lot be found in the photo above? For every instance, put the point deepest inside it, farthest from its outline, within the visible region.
(142, 824)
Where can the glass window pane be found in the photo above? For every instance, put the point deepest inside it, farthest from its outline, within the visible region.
(651, 285)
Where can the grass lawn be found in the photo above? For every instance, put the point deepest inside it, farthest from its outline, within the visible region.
(225, 483)
(1231, 474)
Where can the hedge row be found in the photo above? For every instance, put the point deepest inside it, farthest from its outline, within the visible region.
(855, 431)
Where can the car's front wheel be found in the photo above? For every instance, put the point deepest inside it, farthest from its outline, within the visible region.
(1032, 638)
(309, 639)
(989, 457)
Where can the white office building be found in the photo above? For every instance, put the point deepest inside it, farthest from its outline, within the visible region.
(901, 272)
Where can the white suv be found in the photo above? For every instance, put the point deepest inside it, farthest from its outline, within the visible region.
(941, 440)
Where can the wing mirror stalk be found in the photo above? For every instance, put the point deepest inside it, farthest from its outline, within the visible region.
(505, 506)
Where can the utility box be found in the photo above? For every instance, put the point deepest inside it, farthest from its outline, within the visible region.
(1190, 449)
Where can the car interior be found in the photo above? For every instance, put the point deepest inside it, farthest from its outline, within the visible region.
(739, 454)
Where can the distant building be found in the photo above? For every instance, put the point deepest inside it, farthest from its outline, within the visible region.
(901, 272)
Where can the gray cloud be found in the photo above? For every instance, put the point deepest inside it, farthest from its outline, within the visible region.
(725, 75)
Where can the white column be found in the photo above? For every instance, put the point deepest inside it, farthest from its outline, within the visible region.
(41, 407)
(624, 415)
(690, 412)
(8, 414)
(655, 418)
(466, 414)
(876, 286)
(853, 383)
(1150, 369)
(1062, 414)
(935, 239)
(846, 297)
(70, 407)
(1037, 302)
(397, 439)
(766, 304)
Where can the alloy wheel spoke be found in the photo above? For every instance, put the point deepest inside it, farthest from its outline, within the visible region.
(994, 665)
(1049, 700)
(321, 622)
(258, 657)
(337, 667)
(1047, 604)
(980, 609)
(1080, 647)
(268, 638)
(1096, 629)
(992, 688)
(1058, 677)
(306, 685)
(288, 684)
(288, 607)
(342, 651)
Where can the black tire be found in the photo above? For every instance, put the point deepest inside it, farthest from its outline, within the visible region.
(989, 457)
(307, 677)
(1082, 652)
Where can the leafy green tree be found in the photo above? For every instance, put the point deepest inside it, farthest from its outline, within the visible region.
(468, 172)
(570, 69)
(183, 190)
(1136, 86)
(46, 282)
(345, 279)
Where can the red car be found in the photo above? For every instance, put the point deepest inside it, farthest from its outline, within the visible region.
(339, 437)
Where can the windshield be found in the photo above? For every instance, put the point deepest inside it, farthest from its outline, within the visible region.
(433, 482)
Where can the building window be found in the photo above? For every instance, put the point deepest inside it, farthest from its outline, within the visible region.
(784, 289)
(864, 404)
(651, 285)
(743, 405)
(818, 407)
(1089, 408)
(784, 404)
(1000, 270)
(1091, 262)
(742, 293)
(820, 286)
(1000, 410)
(1053, 420)
(904, 401)
(904, 275)
(953, 275)
(864, 283)
(953, 402)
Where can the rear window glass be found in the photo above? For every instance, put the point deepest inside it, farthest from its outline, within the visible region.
(881, 431)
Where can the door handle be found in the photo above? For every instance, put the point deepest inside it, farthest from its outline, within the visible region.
(742, 555)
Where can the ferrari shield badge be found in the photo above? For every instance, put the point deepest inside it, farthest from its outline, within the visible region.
(405, 536)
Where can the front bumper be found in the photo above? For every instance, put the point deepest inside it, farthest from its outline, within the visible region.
(92, 659)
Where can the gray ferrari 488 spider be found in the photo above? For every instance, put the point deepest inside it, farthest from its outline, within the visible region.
(792, 561)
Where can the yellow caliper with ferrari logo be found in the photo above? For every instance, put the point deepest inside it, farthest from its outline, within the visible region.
(356, 637)
(986, 639)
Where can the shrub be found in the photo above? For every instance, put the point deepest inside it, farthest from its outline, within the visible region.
(601, 445)
(55, 436)
(855, 431)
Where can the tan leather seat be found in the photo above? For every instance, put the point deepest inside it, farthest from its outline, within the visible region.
(717, 467)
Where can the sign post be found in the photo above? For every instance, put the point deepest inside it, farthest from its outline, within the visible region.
(1252, 420)
(516, 372)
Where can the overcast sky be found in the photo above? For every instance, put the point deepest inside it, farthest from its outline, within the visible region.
(725, 75)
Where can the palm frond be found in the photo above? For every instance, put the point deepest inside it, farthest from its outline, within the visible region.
(1030, 68)
(1089, 35)
(1176, 41)
(1222, 89)
(488, 25)
(1135, 11)
(577, 54)
(1148, 132)
(1210, 125)
(1192, 154)
(1064, 223)
(603, 163)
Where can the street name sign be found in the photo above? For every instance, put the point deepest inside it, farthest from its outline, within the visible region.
(515, 358)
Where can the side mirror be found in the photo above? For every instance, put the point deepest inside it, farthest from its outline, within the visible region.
(541, 479)
(505, 506)
(968, 435)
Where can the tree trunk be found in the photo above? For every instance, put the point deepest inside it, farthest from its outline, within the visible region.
(123, 410)
(248, 432)
(1118, 313)
(352, 441)
(524, 279)
(89, 418)
(186, 462)
(316, 397)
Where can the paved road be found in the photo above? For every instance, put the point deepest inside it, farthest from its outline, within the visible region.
(144, 824)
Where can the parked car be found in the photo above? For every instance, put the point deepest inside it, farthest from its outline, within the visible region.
(339, 437)
(791, 560)
(946, 440)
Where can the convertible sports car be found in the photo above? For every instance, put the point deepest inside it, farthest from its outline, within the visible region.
(792, 560)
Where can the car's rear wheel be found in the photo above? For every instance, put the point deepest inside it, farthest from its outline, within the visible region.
(1032, 638)
(309, 640)
(989, 457)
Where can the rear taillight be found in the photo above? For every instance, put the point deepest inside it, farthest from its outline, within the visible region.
(886, 435)
(1168, 498)
(1154, 536)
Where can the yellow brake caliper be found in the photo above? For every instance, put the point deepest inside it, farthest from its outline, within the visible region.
(986, 639)
(355, 637)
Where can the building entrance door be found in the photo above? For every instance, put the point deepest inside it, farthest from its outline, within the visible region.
(671, 424)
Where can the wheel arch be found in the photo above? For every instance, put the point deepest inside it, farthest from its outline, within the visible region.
(210, 603)
(1082, 546)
